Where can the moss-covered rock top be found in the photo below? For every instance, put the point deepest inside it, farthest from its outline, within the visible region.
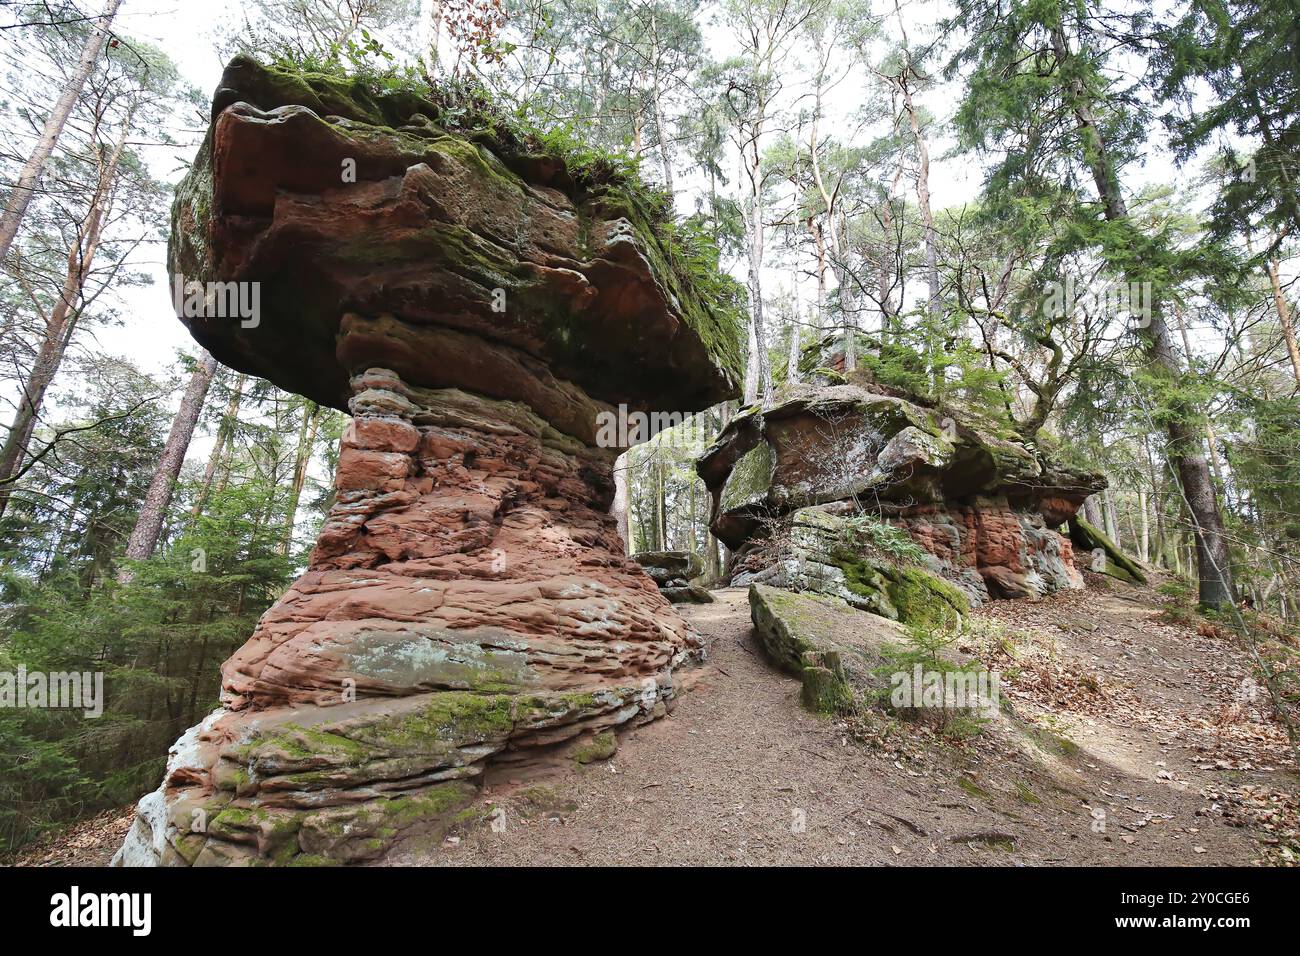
(420, 230)
(848, 443)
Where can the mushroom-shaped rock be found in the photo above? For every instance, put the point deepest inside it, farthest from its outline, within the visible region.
(985, 508)
(477, 305)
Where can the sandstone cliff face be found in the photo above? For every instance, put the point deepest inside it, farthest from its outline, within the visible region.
(984, 509)
(468, 599)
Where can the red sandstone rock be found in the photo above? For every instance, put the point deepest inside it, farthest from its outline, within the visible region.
(468, 599)
(986, 509)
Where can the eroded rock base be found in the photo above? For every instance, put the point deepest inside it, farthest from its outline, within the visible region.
(468, 600)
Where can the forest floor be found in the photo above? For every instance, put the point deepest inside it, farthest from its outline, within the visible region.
(1127, 746)
(1129, 741)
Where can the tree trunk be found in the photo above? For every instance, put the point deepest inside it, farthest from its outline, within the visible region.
(1144, 527)
(833, 235)
(661, 506)
(1284, 320)
(224, 430)
(21, 193)
(923, 193)
(144, 537)
(883, 272)
(655, 100)
(302, 458)
(1092, 511)
(820, 245)
(619, 507)
(792, 358)
(1212, 555)
(1112, 518)
(758, 378)
(61, 323)
(1211, 439)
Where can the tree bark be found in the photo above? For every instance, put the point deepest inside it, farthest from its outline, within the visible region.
(619, 507)
(1284, 320)
(1092, 511)
(144, 537)
(25, 187)
(1112, 516)
(1144, 527)
(758, 378)
(661, 503)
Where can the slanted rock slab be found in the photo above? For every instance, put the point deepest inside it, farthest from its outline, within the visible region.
(833, 648)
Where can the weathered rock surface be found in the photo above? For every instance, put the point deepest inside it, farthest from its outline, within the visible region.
(834, 649)
(674, 571)
(687, 594)
(847, 658)
(821, 552)
(468, 599)
(1102, 554)
(668, 568)
(985, 509)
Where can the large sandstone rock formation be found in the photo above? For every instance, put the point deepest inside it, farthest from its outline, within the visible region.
(788, 484)
(476, 304)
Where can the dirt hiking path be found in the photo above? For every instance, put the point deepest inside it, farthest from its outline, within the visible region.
(740, 774)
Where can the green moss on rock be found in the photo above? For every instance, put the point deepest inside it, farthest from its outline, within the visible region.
(823, 688)
(831, 647)
(750, 479)
(600, 747)
(910, 595)
(451, 717)
(1090, 540)
(925, 600)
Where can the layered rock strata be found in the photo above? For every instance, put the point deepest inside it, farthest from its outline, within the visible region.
(985, 509)
(675, 573)
(468, 600)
